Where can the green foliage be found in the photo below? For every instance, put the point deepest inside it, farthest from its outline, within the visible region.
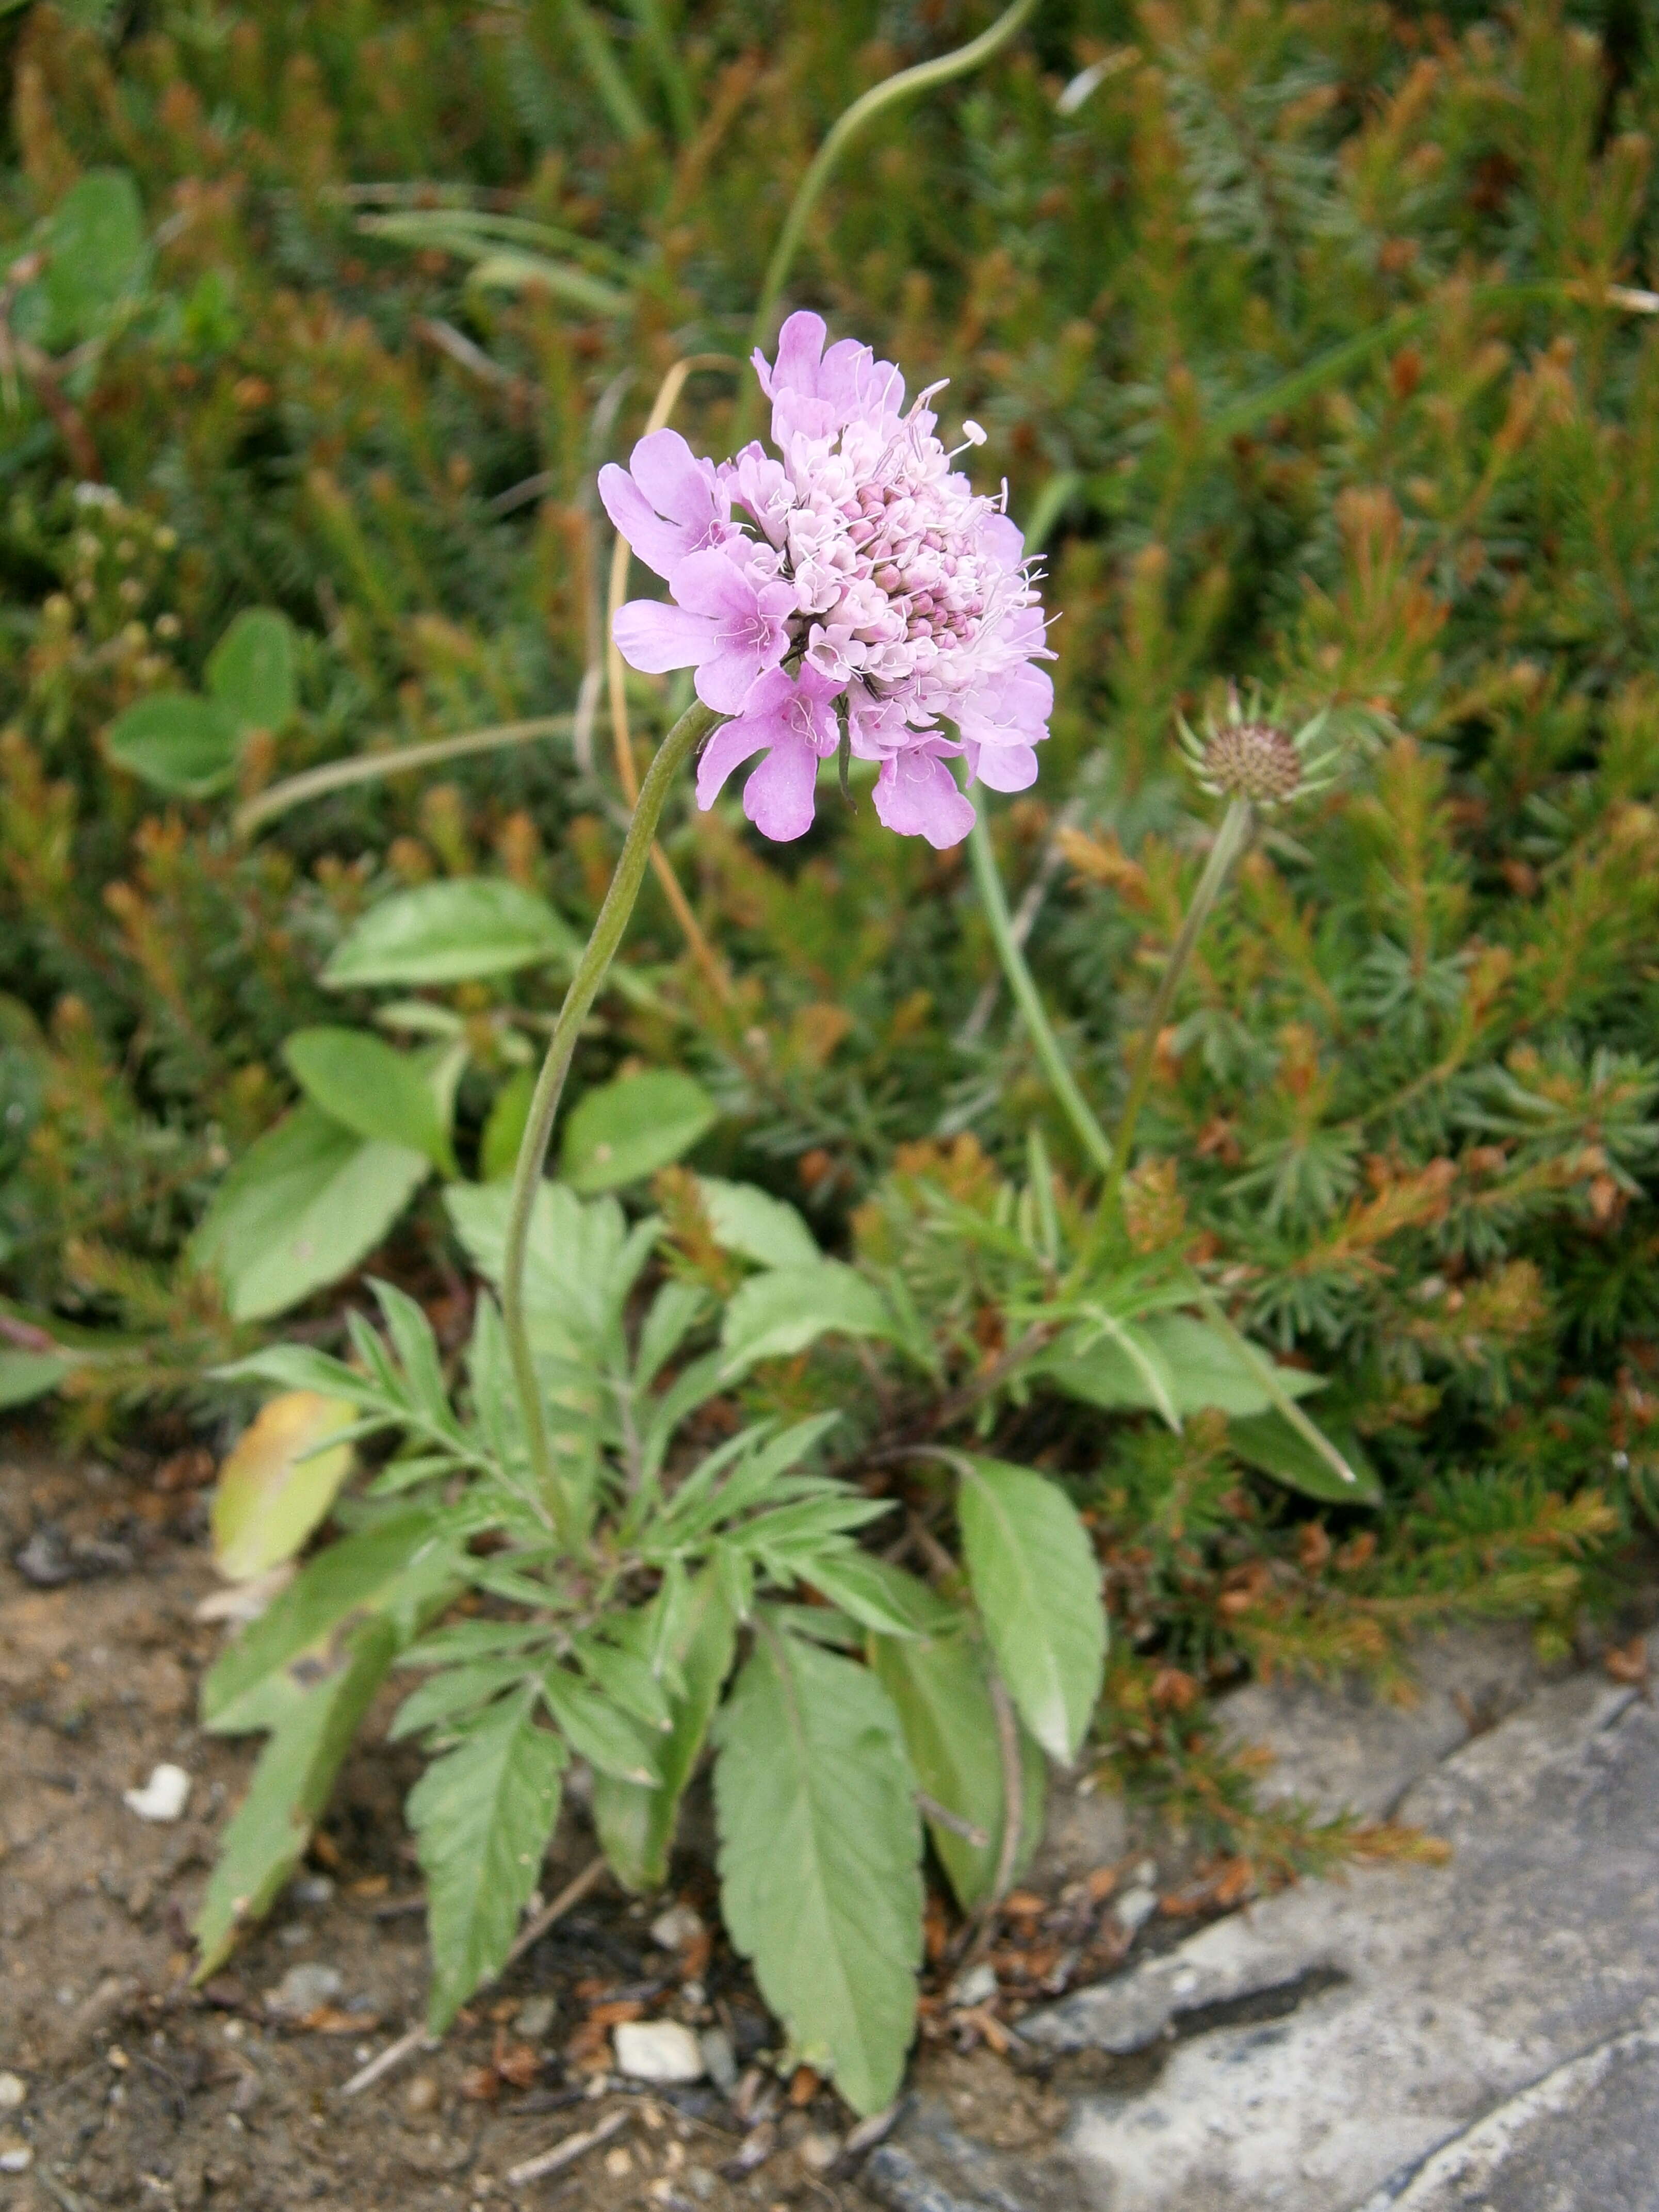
(1302, 335)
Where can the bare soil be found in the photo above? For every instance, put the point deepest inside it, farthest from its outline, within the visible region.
(139, 2090)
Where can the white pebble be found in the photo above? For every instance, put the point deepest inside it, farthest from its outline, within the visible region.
(680, 1923)
(1135, 1908)
(657, 2050)
(14, 2092)
(14, 2157)
(163, 1797)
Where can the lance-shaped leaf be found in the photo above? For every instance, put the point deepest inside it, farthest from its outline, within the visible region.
(941, 1689)
(313, 1712)
(449, 933)
(482, 1816)
(635, 1824)
(1036, 1582)
(820, 1842)
(779, 1313)
(373, 1089)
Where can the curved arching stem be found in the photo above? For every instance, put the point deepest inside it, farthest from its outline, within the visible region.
(676, 748)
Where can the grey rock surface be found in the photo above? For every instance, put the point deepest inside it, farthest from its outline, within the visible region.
(1358, 2044)
(1355, 1751)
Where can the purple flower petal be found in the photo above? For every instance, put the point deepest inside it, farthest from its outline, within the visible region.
(659, 544)
(656, 638)
(745, 626)
(916, 795)
(792, 720)
(667, 504)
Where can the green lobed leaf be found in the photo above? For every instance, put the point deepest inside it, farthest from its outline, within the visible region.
(1036, 1582)
(637, 1824)
(940, 1687)
(819, 1859)
(372, 1088)
(304, 1204)
(250, 672)
(449, 933)
(623, 1131)
(482, 1815)
(609, 1740)
(773, 1316)
(176, 743)
(1269, 1443)
(312, 1720)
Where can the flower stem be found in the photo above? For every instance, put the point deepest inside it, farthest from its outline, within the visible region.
(904, 85)
(1231, 841)
(1021, 983)
(675, 749)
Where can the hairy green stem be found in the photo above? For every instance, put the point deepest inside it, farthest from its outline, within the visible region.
(1231, 841)
(675, 750)
(1023, 985)
(904, 85)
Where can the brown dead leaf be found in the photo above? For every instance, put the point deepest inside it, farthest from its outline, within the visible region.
(1628, 1663)
(804, 2085)
(480, 2085)
(329, 2020)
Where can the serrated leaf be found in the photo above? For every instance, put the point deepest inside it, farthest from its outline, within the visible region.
(820, 1845)
(482, 1815)
(759, 1227)
(372, 1088)
(940, 1688)
(313, 1722)
(1267, 1443)
(773, 1316)
(878, 1595)
(456, 1690)
(1036, 1582)
(250, 672)
(278, 1482)
(449, 933)
(623, 1131)
(176, 743)
(304, 1204)
(610, 1741)
(637, 1824)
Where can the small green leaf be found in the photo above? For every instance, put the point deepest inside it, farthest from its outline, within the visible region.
(820, 1845)
(482, 1816)
(503, 1133)
(773, 1315)
(98, 257)
(637, 1824)
(250, 672)
(176, 742)
(449, 933)
(372, 1088)
(27, 1375)
(1036, 1582)
(626, 1130)
(304, 1204)
(278, 1482)
(610, 1741)
(1267, 1443)
(1172, 1363)
(761, 1227)
(313, 1722)
(941, 1689)
(878, 1595)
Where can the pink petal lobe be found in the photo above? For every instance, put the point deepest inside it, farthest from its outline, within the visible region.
(656, 638)
(670, 475)
(778, 797)
(916, 796)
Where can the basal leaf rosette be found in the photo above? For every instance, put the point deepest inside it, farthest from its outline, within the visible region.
(852, 588)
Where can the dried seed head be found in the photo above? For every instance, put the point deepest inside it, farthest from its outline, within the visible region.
(1251, 760)
(1248, 754)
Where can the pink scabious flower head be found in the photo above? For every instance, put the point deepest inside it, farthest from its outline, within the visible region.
(852, 587)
